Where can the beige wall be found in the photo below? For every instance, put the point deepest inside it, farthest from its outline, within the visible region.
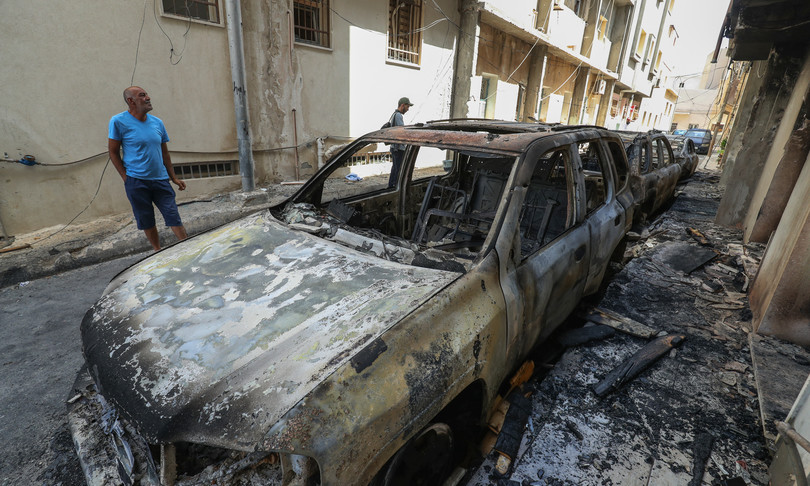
(341, 92)
(64, 70)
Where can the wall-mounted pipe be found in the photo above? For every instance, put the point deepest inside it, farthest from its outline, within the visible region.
(237, 54)
(295, 143)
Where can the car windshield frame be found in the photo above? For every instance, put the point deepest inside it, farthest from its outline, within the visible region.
(313, 189)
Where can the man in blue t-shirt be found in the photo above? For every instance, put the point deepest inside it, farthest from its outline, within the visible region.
(145, 166)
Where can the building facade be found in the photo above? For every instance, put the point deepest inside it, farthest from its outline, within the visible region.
(317, 74)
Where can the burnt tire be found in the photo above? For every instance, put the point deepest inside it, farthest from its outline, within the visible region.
(426, 459)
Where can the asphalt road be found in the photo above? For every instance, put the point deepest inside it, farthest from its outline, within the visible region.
(40, 353)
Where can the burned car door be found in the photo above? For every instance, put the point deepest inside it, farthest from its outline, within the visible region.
(667, 171)
(621, 174)
(547, 248)
(604, 214)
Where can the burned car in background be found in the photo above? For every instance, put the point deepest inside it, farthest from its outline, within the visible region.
(654, 172)
(685, 154)
(356, 333)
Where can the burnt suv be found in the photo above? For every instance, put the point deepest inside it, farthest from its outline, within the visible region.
(356, 332)
(654, 171)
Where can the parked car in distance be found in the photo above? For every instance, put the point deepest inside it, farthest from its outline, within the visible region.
(356, 333)
(653, 171)
(702, 139)
(684, 150)
(678, 132)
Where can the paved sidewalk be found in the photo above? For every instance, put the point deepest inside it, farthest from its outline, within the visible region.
(58, 249)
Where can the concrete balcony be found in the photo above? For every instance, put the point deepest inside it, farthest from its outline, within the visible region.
(600, 53)
(565, 29)
(521, 13)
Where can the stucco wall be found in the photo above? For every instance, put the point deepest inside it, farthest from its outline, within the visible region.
(64, 70)
(339, 92)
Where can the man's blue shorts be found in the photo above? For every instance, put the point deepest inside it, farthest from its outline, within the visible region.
(143, 193)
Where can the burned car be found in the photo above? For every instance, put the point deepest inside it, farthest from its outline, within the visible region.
(654, 172)
(685, 154)
(357, 332)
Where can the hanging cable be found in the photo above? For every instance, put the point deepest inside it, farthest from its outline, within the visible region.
(138, 45)
(98, 188)
(171, 44)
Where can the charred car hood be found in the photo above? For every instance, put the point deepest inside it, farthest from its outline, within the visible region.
(214, 339)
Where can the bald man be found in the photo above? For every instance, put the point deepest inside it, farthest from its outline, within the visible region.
(145, 165)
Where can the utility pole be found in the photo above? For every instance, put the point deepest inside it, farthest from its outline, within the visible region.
(235, 46)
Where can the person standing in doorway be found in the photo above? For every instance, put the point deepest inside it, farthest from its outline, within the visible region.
(145, 165)
(397, 149)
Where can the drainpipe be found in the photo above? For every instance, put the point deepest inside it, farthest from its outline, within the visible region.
(237, 54)
(295, 141)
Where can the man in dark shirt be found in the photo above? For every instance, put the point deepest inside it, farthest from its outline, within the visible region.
(398, 150)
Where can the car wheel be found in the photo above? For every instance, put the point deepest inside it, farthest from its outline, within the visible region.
(426, 459)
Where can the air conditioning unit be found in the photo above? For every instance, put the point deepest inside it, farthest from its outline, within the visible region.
(602, 86)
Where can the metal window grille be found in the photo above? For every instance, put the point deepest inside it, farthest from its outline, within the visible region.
(370, 158)
(404, 36)
(206, 170)
(311, 19)
(207, 11)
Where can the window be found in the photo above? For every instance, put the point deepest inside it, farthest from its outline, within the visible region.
(431, 162)
(592, 163)
(665, 159)
(207, 11)
(658, 61)
(404, 36)
(656, 155)
(642, 41)
(545, 213)
(602, 28)
(649, 50)
(205, 170)
(644, 160)
(620, 162)
(311, 19)
(489, 90)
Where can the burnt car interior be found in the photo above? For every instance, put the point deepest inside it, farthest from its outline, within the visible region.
(440, 215)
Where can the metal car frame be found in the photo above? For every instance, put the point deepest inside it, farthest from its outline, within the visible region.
(434, 372)
(685, 153)
(652, 186)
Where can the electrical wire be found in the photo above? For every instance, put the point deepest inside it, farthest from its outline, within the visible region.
(138, 45)
(98, 188)
(171, 44)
